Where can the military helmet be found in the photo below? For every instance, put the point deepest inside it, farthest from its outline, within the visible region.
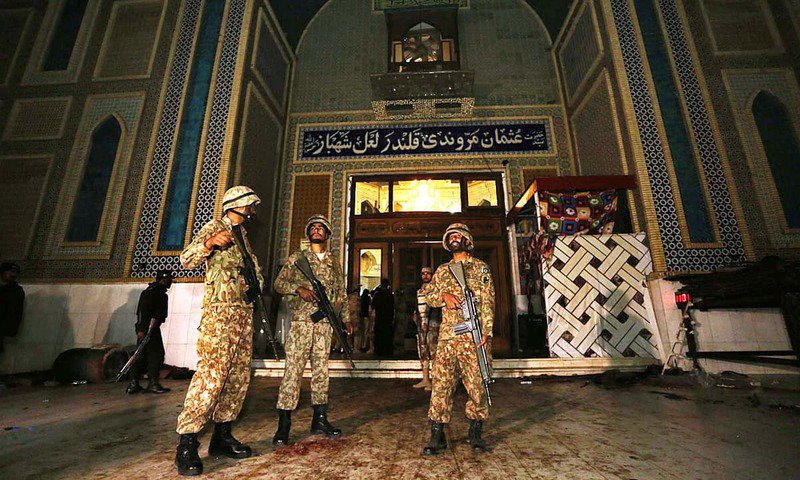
(318, 218)
(461, 228)
(427, 270)
(239, 196)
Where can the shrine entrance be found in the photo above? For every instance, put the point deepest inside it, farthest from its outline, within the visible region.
(396, 227)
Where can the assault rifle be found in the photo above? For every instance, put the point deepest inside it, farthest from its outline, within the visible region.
(326, 310)
(472, 325)
(253, 293)
(137, 353)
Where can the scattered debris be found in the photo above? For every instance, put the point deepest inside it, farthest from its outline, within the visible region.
(11, 429)
(670, 396)
(79, 382)
(526, 382)
(728, 379)
(51, 383)
(781, 406)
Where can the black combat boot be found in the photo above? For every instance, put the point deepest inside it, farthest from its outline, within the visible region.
(320, 423)
(438, 442)
(475, 440)
(154, 387)
(223, 443)
(281, 437)
(133, 387)
(187, 459)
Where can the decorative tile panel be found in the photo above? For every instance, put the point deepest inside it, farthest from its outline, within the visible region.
(37, 118)
(143, 262)
(678, 256)
(597, 300)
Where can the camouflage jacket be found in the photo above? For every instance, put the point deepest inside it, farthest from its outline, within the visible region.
(479, 279)
(428, 313)
(328, 272)
(224, 284)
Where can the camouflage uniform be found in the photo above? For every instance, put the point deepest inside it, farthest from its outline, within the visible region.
(429, 316)
(225, 344)
(455, 355)
(307, 339)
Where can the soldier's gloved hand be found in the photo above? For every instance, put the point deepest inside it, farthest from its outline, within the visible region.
(221, 239)
(452, 302)
(306, 294)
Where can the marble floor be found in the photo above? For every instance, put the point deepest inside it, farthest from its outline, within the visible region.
(548, 429)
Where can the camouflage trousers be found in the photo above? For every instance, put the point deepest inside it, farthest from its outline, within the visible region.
(454, 357)
(306, 340)
(431, 339)
(219, 384)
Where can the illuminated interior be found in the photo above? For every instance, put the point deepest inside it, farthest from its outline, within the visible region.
(372, 197)
(482, 193)
(427, 196)
(370, 267)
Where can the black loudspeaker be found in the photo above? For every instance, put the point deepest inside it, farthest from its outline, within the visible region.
(533, 336)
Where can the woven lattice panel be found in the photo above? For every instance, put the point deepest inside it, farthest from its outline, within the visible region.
(580, 50)
(312, 195)
(21, 182)
(37, 118)
(740, 25)
(597, 299)
(12, 26)
(597, 141)
(128, 46)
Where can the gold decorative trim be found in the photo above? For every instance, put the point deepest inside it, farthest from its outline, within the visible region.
(12, 64)
(645, 188)
(596, 61)
(769, 196)
(228, 144)
(50, 157)
(33, 73)
(112, 20)
(288, 248)
(604, 79)
(78, 157)
(549, 119)
(253, 92)
(19, 106)
(676, 194)
(775, 35)
(233, 113)
(153, 139)
(263, 17)
(155, 252)
(738, 209)
(277, 25)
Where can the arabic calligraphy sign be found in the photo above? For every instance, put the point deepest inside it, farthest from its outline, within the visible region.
(378, 5)
(530, 137)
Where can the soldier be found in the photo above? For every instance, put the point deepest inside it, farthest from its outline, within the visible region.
(427, 320)
(308, 339)
(151, 312)
(457, 354)
(225, 344)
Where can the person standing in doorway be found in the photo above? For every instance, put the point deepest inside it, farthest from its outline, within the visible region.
(427, 319)
(367, 326)
(383, 308)
(151, 313)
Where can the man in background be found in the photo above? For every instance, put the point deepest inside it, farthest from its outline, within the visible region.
(12, 300)
(150, 314)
